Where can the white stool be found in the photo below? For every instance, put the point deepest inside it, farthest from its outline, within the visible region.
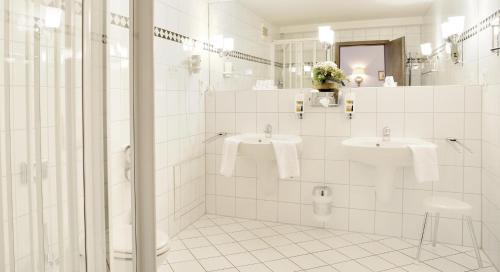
(436, 205)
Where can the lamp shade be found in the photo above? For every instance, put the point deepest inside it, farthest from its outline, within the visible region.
(326, 34)
(426, 49)
(228, 44)
(457, 24)
(358, 70)
(53, 17)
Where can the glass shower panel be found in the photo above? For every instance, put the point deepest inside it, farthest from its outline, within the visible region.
(41, 142)
(119, 177)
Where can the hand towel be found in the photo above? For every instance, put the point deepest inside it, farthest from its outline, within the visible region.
(229, 153)
(287, 159)
(425, 162)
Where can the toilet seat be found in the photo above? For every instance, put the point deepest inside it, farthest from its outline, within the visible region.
(122, 242)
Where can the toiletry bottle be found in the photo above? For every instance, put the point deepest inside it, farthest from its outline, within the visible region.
(299, 105)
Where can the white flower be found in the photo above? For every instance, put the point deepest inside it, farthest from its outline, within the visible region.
(325, 65)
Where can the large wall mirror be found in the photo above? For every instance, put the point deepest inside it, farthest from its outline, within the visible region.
(369, 62)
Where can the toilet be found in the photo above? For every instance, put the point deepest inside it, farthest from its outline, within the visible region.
(122, 247)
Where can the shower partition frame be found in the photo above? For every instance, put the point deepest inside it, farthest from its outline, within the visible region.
(98, 244)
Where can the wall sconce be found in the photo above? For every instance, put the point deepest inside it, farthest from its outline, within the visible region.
(451, 31)
(358, 74)
(428, 58)
(326, 37)
(495, 30)
(224, 46)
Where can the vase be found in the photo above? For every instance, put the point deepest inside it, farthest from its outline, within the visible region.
(327, 86)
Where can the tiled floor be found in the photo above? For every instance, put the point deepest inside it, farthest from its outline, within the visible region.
(216, 243)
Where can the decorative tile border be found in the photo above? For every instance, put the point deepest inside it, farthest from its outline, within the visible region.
(120, 20)
(479, 27)
(123, 21)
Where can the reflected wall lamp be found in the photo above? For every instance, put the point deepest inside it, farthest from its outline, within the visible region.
(451, 31)
(326, 37)
(495, 30)
(223, 45)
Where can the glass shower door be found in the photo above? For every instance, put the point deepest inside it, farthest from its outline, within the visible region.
(41, 142)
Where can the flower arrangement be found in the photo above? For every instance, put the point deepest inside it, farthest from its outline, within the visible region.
(327, 76)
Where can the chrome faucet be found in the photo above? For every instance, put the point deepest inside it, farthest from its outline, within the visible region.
(268, 131)
(386, 134)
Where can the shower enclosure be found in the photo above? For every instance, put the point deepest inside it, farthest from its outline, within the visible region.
(41, 136)
(69, 124)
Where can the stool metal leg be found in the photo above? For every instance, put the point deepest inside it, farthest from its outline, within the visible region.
(419, 250)
(434, 234)
(474, 241)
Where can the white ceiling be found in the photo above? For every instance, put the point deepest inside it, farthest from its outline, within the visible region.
(300, 12)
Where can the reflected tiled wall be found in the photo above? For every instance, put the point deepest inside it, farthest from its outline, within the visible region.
(431, 113)
(412, 34)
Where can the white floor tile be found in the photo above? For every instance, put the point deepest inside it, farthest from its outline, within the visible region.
(396, 244)
(215, 263)
(278, 240)
(291, 250)
(243, 235)
(230, 248)
(419, 267)
(283, 265)
(446, 265)
(336, 242)
(331, 256)
(298, 237)
(242, 259)
(216, 243)
(375, 247)
(375, 263)
(268, 254)
(464, 260)
(179, 256)
(264, 232)
(205, 252)
(397, 258)
(354, 252)
(191, 266)
(220, 239)
(307, 261)
(254, 268)
(350, 266)
(196, 242)
(254, 244)
(313, 246)
(322, 269)
(356, 238)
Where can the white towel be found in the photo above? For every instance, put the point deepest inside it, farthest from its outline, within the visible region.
(287, 159)
(229, 153)
(425, 162)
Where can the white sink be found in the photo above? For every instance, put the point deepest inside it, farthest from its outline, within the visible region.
(385, 156)
(260, 147)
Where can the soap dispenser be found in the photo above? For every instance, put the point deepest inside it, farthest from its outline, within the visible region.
(349, 105)
(299, 105)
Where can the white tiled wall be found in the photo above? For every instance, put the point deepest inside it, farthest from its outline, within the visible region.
(179, 116)
(431, 113)
(480, 67)
(491, 172)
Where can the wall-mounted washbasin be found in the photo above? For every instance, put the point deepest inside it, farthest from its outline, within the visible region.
(260, 147)
(386, 156)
